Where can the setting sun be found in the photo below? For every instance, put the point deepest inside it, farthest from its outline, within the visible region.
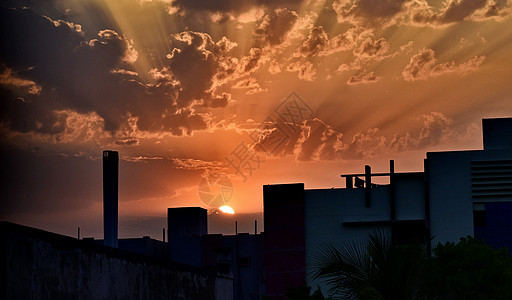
(227, 210)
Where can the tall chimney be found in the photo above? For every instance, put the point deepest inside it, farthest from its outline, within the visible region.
(110, 183)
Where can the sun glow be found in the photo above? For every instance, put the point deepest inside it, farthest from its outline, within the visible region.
(227, 210)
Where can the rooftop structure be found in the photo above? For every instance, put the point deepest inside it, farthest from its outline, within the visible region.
(460, 193)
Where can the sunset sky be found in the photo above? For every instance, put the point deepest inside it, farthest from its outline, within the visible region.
(250, 92)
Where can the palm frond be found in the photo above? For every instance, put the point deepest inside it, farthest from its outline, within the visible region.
(375, 269)
(344, 268)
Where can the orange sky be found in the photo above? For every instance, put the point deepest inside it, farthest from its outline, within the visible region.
(255, 92)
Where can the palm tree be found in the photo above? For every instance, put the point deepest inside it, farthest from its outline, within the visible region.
(375, 269)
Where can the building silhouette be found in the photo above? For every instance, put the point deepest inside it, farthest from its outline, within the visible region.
(37, 264)
(110, 197)
(237, 256)
(460, 193)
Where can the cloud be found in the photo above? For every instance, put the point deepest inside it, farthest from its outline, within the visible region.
(368, 12)
(252, 61)
(451, 12)
(436, 128)
(424, 65)
(318, 42)
(127, 142)
(497, 9)
(313, 139)
(320, 141)
(361, 48)
(433, 129)
(251, 84)
(305, 70)
(275, 26)
(457, 11)
(376, 14)
(194, 62)
(70, 69)
(367, 144)
(315, 43)
(197, 164)
(236, 7)
(372, 49)
(49, 66)
(10, 79)
(199, 66)
(360, 78)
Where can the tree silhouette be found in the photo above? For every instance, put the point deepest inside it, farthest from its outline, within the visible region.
(374, 269)
(469, 269)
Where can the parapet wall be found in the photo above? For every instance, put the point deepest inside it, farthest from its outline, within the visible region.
(40, 265)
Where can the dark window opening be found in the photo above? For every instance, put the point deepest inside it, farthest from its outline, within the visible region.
(407, 232)
(479, 218)
(244, 261)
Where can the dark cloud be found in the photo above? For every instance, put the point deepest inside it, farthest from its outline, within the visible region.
(494, 9)
(73, 72)
(457, 11)
(317, 40)
(195, 62)
(62, 70)
(184, 122)
(251, 63)
(275, 26)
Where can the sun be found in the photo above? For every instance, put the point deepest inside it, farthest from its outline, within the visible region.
(227, 210)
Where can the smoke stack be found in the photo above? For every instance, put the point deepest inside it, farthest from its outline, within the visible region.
(110, 183)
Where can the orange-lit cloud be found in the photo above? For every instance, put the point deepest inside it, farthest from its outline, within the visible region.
(424, 65)
(180, 87)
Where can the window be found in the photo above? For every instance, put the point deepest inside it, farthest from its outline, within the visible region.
(479, 215)
(244, 261)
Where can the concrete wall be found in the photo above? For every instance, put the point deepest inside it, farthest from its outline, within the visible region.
(327, 209)
(450, 190)
(283, 250)
(451, 206)
(410, 196)
(336, 216)
(246, 264)
(41, 265)
(186, 250)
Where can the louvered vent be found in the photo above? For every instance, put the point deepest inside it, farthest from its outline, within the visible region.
(491, 179)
